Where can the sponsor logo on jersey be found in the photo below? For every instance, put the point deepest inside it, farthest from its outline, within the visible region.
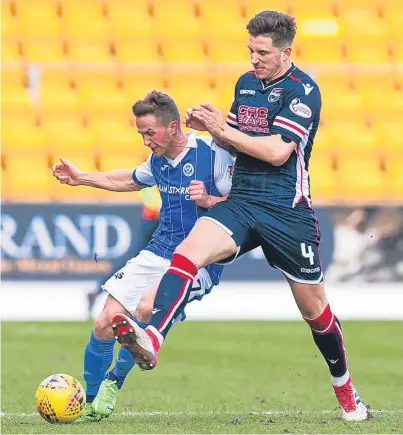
(188, 169)
(313, 270)
(164, 167)
(300, 109)
(308, 88)
(274, 95)
(251, 118)
(173, 189)
(247, 92)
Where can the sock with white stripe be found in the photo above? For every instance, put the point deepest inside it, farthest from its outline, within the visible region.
(173, 293)
(326, 331)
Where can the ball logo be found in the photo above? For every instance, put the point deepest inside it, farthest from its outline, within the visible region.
(274, 95)
(300, 109)
(188, 169)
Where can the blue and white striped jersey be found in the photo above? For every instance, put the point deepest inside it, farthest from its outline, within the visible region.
(202, 160)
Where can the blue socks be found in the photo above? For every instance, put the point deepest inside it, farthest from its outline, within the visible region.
(98, 357)
(124, 363)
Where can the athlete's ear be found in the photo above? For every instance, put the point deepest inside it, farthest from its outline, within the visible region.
(286, 53)
(173, 127)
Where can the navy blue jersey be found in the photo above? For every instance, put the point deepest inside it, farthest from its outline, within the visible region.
(290, 106)
(201, 160)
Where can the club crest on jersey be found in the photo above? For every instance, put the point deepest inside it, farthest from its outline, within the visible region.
(300, 109)
(188, 169)
(274, 95)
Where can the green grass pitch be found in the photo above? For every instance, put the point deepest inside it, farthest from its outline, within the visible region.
(214, 377)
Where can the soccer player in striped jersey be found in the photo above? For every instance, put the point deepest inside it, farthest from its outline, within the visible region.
(192, 174)
(272, 125)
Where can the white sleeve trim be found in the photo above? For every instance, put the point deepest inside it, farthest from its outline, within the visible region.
(144, 173)
(223, 168)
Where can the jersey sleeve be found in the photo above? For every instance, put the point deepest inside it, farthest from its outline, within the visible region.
(143, 174)
(232, 117)
(295, 118)
(223, 169)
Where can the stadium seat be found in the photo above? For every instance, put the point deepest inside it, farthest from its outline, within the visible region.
(67, 134)
(85, 161)
(21, 132)
(252, 7)
(183, 90)
(311, 50)
(43, 50)
(27, 177)
(95, 50)
(139, 82)
(57, 90)
(38, 19)
(323, 142)
(394, 176)
(361, 51)
(222, 19)
(10, 50)
(383, 96)
(228, 49)
(339, 94)
(360, 177)
(389, 133)
(142, 50)
(224, 85)
(303, 10)
(129, 19)
(189, 51)
(115, 132)
(179, 21)
(349, 134)
(323, 179)
(9, 23)
(84, 20)
(99, 90)
(14, 90)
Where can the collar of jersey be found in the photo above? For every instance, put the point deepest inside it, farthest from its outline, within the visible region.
(279, 79)
(192, 143)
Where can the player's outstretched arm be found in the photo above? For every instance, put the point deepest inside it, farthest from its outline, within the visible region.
(272, 149)
(118, 181)
(198, 194)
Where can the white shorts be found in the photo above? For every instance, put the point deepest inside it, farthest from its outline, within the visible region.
(144, 272)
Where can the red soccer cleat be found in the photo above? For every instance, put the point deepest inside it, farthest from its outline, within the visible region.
(352, 407)
(141, 343)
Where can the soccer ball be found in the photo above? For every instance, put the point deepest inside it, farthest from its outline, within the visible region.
(60, 399)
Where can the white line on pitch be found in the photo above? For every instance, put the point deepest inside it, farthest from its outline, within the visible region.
(212, 413)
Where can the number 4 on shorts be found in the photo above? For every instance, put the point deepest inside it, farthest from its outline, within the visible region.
(307, 253)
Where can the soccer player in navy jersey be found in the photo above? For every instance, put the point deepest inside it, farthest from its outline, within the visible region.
(192, 174)
(271, 125)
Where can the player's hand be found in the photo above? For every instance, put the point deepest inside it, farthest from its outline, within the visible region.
(211, 118)
(198, 194)
(67, 173)
(192, 122)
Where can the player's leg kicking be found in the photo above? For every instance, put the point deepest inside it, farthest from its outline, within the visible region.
(143, 344)
(125, 288)
(196, 251)
(199, 250)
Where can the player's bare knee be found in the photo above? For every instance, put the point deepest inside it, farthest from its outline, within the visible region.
(144, 310)
(103, 326)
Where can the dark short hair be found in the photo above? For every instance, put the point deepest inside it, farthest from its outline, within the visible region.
(161, 105)
(280, 27)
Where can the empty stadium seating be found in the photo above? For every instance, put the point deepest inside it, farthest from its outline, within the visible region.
(72, 69)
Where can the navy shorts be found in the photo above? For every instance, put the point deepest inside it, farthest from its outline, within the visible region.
(289, 237)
